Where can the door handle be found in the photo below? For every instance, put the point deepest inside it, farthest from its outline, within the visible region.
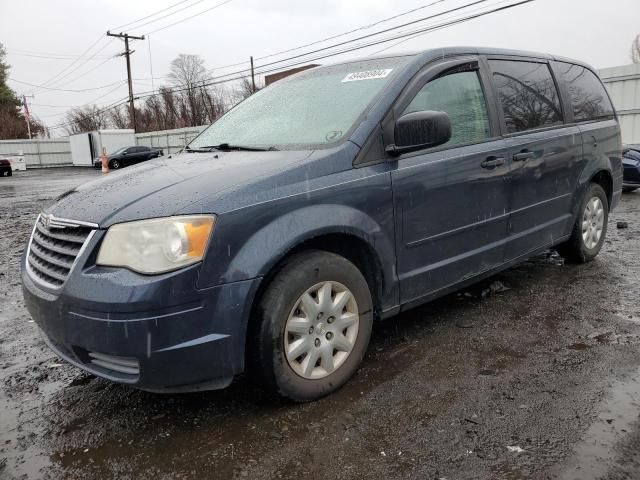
(492, 162)
(523, 156)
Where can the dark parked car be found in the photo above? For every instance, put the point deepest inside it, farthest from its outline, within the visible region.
(631, 164)
(340, 195)
(5, 167)
(129, 156)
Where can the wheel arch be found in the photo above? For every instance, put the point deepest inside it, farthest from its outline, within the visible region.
(348, 245)
(604, 178)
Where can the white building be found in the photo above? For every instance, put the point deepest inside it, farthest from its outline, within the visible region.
(623, 84)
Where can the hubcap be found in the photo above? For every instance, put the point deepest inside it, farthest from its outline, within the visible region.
(321, 330)
(592, 222)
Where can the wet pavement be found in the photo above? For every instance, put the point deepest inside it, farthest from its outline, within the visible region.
(534, 373)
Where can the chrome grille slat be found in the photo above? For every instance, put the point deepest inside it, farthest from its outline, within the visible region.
(52, 271)
(54, 258)
(55, 245)
(54, 248)
(60, 235)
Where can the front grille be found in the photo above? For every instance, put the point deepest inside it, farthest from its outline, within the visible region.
(54, 246)
(128, 365)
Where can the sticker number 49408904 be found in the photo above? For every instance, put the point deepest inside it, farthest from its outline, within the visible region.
(367, 75)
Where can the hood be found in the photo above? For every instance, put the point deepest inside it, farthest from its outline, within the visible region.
(169, 185)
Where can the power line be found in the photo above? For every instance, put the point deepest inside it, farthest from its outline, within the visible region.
(91, 102)
(423, 30)
(430, 17)
(50, 56)
(47, 82)
(112, 57)
(330, 47)
(357, 47)
(168, 14)
(363, 37)
(105, 109)
(79, 66)
(190, 17)
(64, 89)
(415, 35)
(150, 15)
(332, 37)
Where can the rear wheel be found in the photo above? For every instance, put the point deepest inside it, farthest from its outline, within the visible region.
(629, 189)
(9, 173)
(312, 326)
(590, 228)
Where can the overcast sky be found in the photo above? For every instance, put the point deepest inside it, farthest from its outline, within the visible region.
(595, 31)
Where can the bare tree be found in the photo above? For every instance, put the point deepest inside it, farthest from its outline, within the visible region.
(86, 119)
(188, 74)
(635, 50)
(245, 88)
(186, 102)
(119, 117)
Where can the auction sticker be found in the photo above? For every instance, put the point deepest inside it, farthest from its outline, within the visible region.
(367, 75)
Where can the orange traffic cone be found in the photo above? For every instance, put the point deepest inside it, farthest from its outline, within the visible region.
(104, 160)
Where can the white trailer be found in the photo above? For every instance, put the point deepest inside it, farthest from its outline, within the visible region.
(87, 146)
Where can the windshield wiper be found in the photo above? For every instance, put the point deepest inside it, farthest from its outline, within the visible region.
(226, 147)
(197, 150)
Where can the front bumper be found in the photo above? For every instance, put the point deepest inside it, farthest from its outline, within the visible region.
(171, 336)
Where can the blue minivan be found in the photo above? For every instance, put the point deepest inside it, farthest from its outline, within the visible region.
(341, 195)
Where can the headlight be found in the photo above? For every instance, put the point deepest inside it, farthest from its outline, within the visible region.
(157, 246)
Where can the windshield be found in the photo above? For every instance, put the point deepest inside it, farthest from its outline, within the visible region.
(120, 150)
(316, 107)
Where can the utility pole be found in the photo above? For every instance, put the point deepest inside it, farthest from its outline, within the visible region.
(27, 115)
(253, 77)
(127, 53)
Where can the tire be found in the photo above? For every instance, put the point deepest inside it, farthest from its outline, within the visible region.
(281, 312)
(629, 189)
(577, 249)
(9, 173)
(115, 164)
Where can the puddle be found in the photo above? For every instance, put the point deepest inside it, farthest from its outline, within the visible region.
(594, 456)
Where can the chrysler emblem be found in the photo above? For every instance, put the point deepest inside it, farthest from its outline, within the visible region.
(46, 221)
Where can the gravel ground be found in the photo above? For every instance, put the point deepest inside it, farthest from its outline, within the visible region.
(534, 373)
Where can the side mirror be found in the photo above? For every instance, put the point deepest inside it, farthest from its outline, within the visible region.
(125, 152)
(420, 130)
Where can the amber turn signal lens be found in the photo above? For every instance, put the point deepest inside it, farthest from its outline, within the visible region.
(198, 234)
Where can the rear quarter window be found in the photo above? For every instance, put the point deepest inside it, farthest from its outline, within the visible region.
(589, 99)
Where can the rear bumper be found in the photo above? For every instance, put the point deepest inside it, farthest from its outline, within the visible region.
(168, 335)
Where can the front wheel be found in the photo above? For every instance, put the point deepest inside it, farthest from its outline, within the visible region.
(312, 327)
(115, 164)
(590, 228)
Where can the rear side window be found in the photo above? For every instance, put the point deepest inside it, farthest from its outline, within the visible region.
(528, 95)
(459, 95)
(589, 99)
